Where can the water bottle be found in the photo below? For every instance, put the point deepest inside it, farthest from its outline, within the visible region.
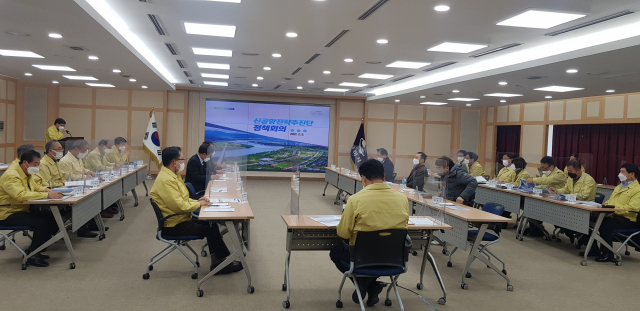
(404, 183)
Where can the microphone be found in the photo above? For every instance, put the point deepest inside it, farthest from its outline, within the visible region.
(69, 133)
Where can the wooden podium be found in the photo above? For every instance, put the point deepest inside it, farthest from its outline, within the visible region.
(68, 141)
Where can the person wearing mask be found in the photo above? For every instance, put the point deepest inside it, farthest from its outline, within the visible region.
(375, 207)
(475, 169)
(626, 196)
(418, 173)
(552, 177)
(16, 186)
(197, 168)
(580, 184)
(507, 173)
(383, 157)
(71, 164)
(96, 160)
(119, 154)
(50, 174)
(56, 131)
(573, 157)
(460, 185)
(521, 171)
(21, 150)
(172, 197)
(462, 154)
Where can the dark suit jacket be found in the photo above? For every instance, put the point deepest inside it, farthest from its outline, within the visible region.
(196, 173)
(416, 178)
(388, 170)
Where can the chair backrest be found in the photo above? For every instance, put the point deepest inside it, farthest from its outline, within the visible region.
(192, 190)
(381, 248)
(394, 176)
(599, 198)
(493, 208)
(159, 216)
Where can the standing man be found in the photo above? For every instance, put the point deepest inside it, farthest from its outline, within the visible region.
(96, 161)
(71, 164)
(418, 173)
(552, 177)
(197, 168)
(21, 150)
(119, 153)
(56, 131)
(383, 157)
(50, 174)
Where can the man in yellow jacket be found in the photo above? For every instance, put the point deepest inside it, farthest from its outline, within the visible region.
(119, 153)
(50, 174)
(580, 184)
(56, 131)
(625, 196)
(21, 150)
(96, 161)
(475, 169)
(172, 197)
(16, 186)
(552, 177)
(71, 164)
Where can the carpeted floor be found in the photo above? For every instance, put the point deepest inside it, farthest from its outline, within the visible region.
(546, 275)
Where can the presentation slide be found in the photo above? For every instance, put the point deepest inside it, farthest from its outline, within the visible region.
(269, 136)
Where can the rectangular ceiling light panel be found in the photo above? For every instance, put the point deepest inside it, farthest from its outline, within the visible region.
(353, 84)
(559, 89)
(452, 47)
(214, 76)
(210, 30)
(16, 53)
(212, 52)
(214, 66)
(216, 83)
(80, 78)
(336, 90)
(503, 95)
(100, 84)
(375, 76)
(462, 99)
(433, 103)
(54, 68)
(539, 19)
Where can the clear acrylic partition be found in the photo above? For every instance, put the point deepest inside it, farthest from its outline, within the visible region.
(296, 160)
(226, 172)
(434, 197)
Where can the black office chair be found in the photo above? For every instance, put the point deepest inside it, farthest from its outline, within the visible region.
(12, 239)
(377, 253)
(192, 191)
(625, 236)
(175, 242)
(599, 198)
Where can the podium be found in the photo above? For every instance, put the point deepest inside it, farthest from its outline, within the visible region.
(68, 141)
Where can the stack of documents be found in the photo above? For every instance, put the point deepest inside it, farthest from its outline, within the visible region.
(590, 203)
(329, 221)
(218, 200)
(214, 189)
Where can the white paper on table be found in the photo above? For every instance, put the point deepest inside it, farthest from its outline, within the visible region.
(214, 189)
(421, 221)
(481, 179)
(590, 203)
(219, 180)
(219, 204)
(329, 221)
(4, 166)
(74, 183)
(218, 200)
(219, 209)
(455, 207)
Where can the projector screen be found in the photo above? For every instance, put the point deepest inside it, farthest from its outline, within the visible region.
(269, 136)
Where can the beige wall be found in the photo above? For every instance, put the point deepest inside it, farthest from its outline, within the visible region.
(8, 116)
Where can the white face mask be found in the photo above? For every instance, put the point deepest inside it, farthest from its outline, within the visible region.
(546, 173)
(32, 170)
(466, 161)
(122, 148)
(206, 160)
(380, 159)
(512, 167)
(622, 177)
(505, 162)
(83, 155)
(460, 159)
(181, 167)
(416, 161)
(107, 150)
(57, 155)
(61, 128)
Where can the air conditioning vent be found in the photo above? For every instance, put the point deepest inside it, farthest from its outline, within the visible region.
(356, 91)
(502, 48)
(438, 94)
(329, 83)
(187, 74)
(20, 34)
(156, 23)
(374, 63)
(347, 74)
(312, 58)
(439, 66)
(536, 77)
(191, 81)
(372, 10)
(593, 22)
(296, 71)
(250, 54)
(334, 40)
(288, 79)
(241, 67)
(145, 1)
(181, 63)
(125, 76)
(375, 85)
(240, 77)
(598, 73)
(401, 78)
(77, 48)
(277, 87)
(171, 48)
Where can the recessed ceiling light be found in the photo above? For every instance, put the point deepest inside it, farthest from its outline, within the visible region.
(276, 55)
(407, 65)
(55, 68)
(441, 8)
(299, 88)
(375, 76)
(610, 91)
(218, 83)
(260, 78)
(348, 60)
(55, 35)
(572, 70)
(93, 57)
(210, 30)
(311, 81)
(503, 101)
(548, 97)
(462, 99)
(144, 86)
(336, 90)
(455, 91)
(28, 74)
(100, 84)
(502, 83)
(468, 105)
(214, 76)
(539, 19)
(292, 34)
(452, 47)
(433, 103)
(353, 84)
(117, 71)
(423, 96)
(132, 80)
(254, 85)
(326, 72)
(212, 52)
(267, 68)
(16, 53)
(503, 95)
(397, 100)
(80, 78)
(54, 82)
(214, 66)
(383, 41)
(555, 88)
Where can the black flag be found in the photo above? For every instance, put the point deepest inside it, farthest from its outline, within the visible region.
(359, 149)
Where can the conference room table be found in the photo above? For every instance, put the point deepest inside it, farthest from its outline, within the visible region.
(87, 206)
(237, 222)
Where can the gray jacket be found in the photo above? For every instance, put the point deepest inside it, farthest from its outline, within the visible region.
(416, 178)
(460, 183)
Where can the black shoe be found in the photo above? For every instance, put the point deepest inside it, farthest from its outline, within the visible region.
(606, 257)
(526, 231)
(93, 227)
(374, 290)
(592, 253)
(536, 233)
(41, 256)
(37, 262)
(86, 233)
(230, 268)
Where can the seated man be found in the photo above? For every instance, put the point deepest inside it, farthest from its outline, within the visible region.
(383, 157)
(96, 161)
(625, 196)
(375, 207)
(21, 150)
(71, 164)
(50, 174)
(119, 153)
(16, 186)
(573, 157)
(418, 173)
(172, 197)
(580, 184)
(507, 173)
(197, 168)
(552, 177)
(460, 185)
(475, 169)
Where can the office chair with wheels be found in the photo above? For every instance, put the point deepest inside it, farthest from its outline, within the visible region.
(192, 191)
(375, 254)
(11, 238)
(599, 198)
(175, 242)
(625, 236)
